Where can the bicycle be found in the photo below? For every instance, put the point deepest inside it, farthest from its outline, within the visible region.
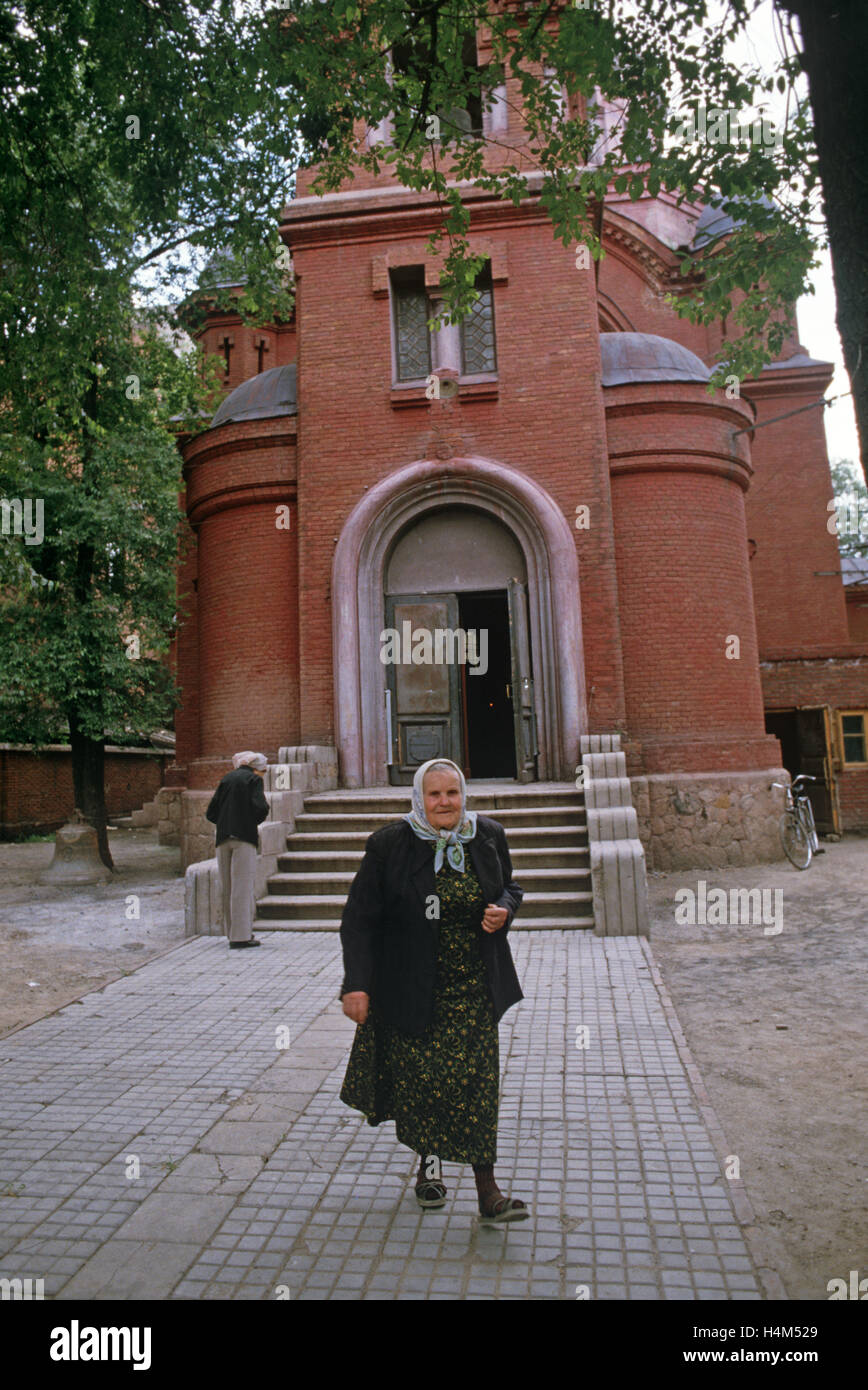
(798, 831)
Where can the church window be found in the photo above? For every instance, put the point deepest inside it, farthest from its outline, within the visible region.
(411, 314)
(467, 349)
(477, 331)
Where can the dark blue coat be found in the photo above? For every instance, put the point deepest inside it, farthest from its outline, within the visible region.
(390, 946)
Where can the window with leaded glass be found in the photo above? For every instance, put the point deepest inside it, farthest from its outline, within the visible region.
(411, 314)
(477, 331)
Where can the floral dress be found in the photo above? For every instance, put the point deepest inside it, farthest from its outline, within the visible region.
(440, 1088)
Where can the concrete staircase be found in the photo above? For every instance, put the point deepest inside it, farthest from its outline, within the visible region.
(545, 824)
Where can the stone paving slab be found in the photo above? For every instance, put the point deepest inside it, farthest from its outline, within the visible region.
(159, 1139)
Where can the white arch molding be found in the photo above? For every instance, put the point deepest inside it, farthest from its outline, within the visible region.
(358, 576)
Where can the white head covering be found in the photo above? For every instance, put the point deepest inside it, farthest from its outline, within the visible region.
(449, 842)
(249, 759)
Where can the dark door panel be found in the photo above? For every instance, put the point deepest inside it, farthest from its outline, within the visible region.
(425, 700)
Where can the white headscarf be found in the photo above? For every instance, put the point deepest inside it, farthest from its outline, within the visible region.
(248, 759)
(449, 842)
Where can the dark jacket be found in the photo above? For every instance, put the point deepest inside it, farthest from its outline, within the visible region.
(238, 806)
(390, 946)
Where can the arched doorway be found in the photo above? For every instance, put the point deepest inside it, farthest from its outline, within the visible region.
(459, 673)
(538, 527)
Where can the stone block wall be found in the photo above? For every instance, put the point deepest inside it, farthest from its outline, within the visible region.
(168, 804)
(709, 820)
(618, 881)
(197, 833)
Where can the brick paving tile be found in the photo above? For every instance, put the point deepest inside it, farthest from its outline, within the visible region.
(607, 1145)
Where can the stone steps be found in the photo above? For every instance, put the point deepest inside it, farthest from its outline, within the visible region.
(311, 861)
(326, 908)
(557, 817)
(532, 880)
(572, 923)
(545, 825)
(521, 837)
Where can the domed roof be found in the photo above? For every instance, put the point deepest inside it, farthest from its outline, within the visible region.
(269, 393)
(222, 271)
(715, 223)
(632, 357)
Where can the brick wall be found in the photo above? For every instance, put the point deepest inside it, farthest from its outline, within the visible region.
(279, 347)
(546, 421)
(796, 569)
(240, 657)
(36, 789)
(857, 614)
(664, 570)
(841, 684)
(694, 699)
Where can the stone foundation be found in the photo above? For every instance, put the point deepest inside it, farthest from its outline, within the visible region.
(699, 820)
(618, 881)
(299, 771)
(168, 805)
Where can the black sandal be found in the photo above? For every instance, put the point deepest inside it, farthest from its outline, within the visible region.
(431, 1193)
(503, 1209)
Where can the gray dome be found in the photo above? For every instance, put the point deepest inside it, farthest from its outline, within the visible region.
(714, 222)
(222, 272)
(632, 357)
(270, 393)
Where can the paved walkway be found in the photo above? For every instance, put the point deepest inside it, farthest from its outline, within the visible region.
(157, 1141)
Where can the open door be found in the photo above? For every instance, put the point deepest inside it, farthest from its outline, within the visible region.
(806, 746)
(816, 760)
(526, 749)
(425, 701)
(831, 768)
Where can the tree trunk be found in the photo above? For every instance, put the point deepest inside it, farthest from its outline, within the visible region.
(88, 780)
(834, 44)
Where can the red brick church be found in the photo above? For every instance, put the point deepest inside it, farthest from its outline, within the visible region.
(645, 559)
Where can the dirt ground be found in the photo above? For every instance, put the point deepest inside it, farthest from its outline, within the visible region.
(778, 1025)
(58, 943)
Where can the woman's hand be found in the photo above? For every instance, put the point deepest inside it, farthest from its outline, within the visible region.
(494, 918)
(355, 1005)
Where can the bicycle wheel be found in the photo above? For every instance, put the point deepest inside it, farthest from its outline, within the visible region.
(807, 819)
(794, 838)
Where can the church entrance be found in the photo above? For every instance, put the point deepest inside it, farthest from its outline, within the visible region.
(459, 679)
(467, 534)
(487, 713)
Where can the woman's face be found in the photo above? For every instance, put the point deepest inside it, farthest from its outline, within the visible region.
(441, 793)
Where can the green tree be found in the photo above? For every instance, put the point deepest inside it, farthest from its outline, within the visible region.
(659, 64)
(87, 589)
(659, 68)
(134, 141)
(140, 137)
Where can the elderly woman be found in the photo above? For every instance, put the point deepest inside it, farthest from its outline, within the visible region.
(237, 808)
(428, 973)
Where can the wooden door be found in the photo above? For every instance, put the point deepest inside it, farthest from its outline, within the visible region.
(526, 748)
(425, 699)
(815, 760)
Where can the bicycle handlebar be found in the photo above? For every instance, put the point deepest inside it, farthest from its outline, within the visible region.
(789, 786)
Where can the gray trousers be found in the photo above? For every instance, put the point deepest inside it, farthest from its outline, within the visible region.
(236, 861)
